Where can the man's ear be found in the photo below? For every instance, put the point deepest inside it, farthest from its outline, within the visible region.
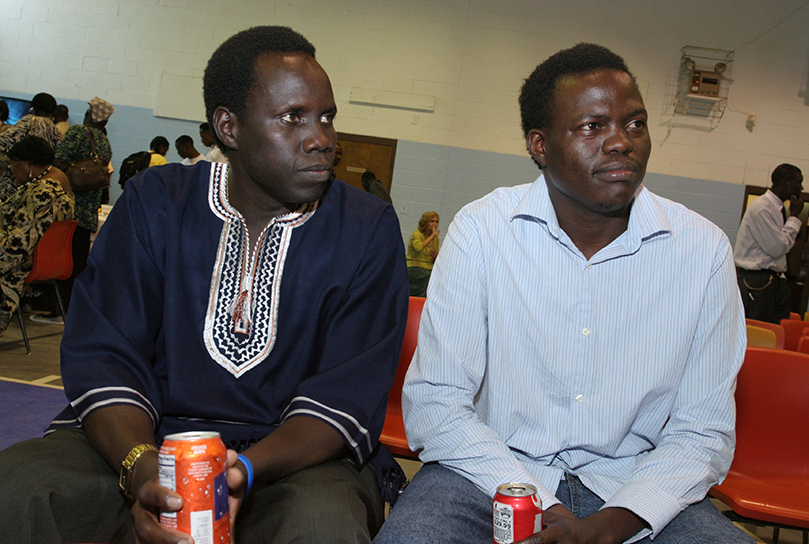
(226, 127)
(535, 142)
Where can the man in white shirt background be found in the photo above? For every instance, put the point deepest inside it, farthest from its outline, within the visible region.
(215, 154)
(185, 149)
(766, 235)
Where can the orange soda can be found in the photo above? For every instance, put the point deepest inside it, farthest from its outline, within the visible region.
(194, 464)
(516, 513)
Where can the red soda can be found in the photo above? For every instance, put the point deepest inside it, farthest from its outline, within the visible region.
(516, 513)
(194, 464)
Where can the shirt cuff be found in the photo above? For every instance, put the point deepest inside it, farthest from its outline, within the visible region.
(796, 223)
(650, 503)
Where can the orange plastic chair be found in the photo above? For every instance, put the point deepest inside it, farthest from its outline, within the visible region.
(53, 260)
(795, 315)
(777, 329)
(393, 433)
(768, 482)
(757, 336)
(793, 330)
(803, 344)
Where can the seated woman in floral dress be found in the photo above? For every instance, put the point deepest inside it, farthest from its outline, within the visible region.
(38, 201)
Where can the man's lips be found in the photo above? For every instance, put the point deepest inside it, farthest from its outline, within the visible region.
(618, 171)
(317, 170)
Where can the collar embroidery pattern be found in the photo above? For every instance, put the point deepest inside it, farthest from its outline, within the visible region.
(241, 321)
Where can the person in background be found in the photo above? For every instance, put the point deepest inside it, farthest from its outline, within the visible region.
(374, 186)
(158, 148)
(190, 317)
(39, 122)
(581, 335)
(766, 235)
(185, 148)
(4, 113)
(215, 154)
(422, 250)
(74, 147)
(38, 201)
(60, 118)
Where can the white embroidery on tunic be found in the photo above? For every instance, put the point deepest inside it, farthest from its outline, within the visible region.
(241, 322)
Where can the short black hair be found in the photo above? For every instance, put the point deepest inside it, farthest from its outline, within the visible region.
(62, 112)
(538, 91)
(32, 149)
(204, 127)
(158, 141)
(185, 139)
(231, 70)
(3, 110)
(43, 104)
(785, 172)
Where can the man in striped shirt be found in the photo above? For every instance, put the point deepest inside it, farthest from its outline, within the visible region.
(581, 335)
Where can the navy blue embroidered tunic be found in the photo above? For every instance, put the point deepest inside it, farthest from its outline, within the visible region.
(179, 314)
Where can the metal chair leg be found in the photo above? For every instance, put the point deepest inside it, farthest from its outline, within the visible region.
(775, 534)
(24, 334)
(59, 299)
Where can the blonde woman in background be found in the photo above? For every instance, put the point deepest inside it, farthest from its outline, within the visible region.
(422, 249)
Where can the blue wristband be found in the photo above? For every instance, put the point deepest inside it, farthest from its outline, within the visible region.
(249, 466)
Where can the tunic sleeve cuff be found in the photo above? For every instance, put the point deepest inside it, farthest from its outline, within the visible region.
(110, 396)
(356, 437)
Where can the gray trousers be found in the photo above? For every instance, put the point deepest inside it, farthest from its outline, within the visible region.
(59, 489)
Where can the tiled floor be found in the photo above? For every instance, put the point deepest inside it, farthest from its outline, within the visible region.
(42, 366)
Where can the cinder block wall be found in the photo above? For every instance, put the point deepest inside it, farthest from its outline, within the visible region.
(470, 56)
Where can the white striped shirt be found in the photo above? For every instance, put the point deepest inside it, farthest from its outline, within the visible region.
(533, 361)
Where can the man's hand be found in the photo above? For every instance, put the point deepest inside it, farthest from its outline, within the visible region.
(150, 499)
(795, 206)
(607, 526)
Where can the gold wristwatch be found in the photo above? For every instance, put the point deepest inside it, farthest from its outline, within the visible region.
(128, 465)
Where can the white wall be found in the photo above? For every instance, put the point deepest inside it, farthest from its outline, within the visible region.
(471, 55)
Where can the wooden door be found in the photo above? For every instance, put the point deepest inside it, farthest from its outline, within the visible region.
(361, 153)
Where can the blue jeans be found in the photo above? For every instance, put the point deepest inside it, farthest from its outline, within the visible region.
(442, 507)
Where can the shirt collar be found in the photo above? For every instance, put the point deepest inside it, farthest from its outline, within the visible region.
(647, 219)
(774, 198)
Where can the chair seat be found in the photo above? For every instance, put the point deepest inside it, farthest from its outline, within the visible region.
(774, 500)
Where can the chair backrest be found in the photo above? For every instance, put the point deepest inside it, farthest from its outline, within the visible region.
(777, 329)
(411, 335)
(772, 410)
(53, 254)
(803, 344)
(757, 336)
(795, 315)
(793, 330)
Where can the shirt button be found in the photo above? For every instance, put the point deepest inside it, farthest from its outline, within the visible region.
(580, 397)
(585, 331)
(589, 266)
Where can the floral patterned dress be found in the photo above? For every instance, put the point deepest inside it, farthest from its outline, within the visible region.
(75, 146)
(24, 218)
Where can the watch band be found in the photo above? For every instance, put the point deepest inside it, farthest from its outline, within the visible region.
(128, 465)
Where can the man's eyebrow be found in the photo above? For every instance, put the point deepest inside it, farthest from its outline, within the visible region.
(639, 111)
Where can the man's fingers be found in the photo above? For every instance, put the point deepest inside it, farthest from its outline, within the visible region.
(156, 497)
